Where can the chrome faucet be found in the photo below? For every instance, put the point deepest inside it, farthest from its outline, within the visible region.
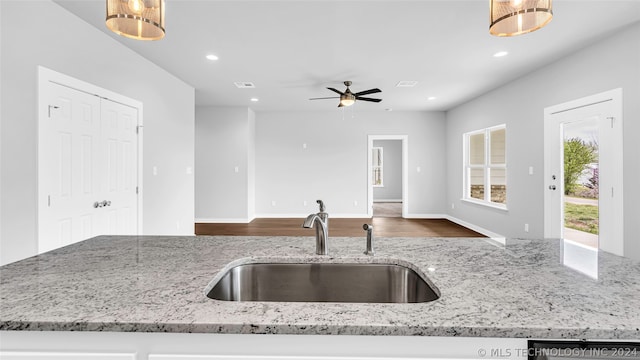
(321, 223)
(369, 230)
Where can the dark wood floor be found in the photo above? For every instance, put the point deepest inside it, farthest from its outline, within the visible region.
(383, 226)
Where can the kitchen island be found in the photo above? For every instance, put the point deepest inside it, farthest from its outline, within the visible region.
(151, 284)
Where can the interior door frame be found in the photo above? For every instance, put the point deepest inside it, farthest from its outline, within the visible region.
(405, 171)
(46, 76)
(551, 214)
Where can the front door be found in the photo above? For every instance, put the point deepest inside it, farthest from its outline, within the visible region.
(603, 111)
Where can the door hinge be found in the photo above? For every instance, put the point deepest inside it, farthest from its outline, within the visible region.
(52, 107)
(138, 129)
(49, 200)
(611, 192)
(611, 119)
(137, 190)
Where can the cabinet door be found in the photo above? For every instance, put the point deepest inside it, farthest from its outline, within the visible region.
(28, 355)
(258, 357)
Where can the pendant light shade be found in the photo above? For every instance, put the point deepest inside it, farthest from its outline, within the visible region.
(515, 17)
(136, 19)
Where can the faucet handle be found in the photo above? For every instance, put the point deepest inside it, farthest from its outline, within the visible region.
(321, 203)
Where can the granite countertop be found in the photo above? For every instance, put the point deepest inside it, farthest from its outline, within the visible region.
(157, 284)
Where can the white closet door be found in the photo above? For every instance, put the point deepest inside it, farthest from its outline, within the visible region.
(120, 159)
(69, 180)
(87, 173)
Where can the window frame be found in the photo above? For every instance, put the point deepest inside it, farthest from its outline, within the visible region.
(487, 166)
(380, 149)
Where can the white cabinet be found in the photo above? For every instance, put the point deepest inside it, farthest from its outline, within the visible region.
(80, 345)
(49, 355)
(232, 357)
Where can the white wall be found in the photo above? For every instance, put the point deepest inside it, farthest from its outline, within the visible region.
(611, 63)
(1, 167)
(333, 166)
(224, 142)
(391, 171)
(251, 167)
(54, 38)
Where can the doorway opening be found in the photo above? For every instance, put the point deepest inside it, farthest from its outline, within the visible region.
(581, 181)
(583, 172)
(387, 176)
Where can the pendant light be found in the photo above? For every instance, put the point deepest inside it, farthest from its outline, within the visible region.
(136, 19)
(515, 17)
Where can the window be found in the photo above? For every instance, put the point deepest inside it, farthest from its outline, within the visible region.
(377, 167)
(485, 172)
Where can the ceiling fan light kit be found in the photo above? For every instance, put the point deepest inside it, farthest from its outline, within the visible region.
(348, 98)
(136, 19)
(516, 17)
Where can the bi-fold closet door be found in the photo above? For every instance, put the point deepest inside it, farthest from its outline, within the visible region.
(88, 168)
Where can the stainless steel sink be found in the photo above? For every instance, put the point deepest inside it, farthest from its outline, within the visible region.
(324, 282)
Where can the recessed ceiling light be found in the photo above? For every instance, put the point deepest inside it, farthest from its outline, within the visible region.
(388, 109)
(212, 57)
(500, 54)
(255, 99)
(431, 98)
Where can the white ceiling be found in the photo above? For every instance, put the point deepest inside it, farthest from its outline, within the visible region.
(293, 49)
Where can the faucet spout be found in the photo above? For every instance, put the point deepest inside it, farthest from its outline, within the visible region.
(322, 233)
(308, 222)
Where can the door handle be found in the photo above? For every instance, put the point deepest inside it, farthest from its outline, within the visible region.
(552, 187)
(99, 204)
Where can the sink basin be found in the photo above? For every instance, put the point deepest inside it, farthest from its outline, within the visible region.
(323, 282)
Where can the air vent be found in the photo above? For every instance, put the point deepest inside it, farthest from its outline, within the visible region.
(407, 84)
(245, 85)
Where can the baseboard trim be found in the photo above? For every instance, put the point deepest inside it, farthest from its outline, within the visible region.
(494, 236)
(302, 216)
(225, 221)
(387, 200)
(425, 216)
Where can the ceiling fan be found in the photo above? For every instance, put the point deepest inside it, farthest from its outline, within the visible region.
(348, 98)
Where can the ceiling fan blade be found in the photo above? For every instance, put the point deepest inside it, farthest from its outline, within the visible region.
(332, 97)
(335, 91)
(367, 92)
(368, 99)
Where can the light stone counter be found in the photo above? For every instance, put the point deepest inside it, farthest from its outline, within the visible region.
(157, 284)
